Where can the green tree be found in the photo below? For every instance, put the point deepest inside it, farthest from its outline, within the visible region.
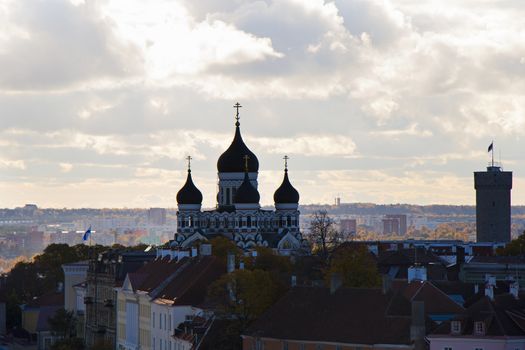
(244, 294)
(222, 246)
(513, 248)
(356, 265)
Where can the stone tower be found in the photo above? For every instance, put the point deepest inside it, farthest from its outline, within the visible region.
(493, 204)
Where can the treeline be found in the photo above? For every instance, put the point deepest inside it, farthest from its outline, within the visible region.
(412, 209)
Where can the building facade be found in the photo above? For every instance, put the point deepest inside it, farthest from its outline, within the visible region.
(238, 214)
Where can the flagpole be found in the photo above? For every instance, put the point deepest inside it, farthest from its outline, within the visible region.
(492, 153)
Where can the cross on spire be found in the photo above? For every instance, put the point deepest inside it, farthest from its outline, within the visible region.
(286, 162)
(246, 159)
(237, 106)
(189, 158)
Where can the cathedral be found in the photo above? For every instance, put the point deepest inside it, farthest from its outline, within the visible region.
(238, 214)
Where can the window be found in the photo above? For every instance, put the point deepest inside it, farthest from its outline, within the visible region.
(153, 343)
(153, 320)
(165, 323)
(479, 328)
(338, 347)
(160, 321)
(285, 345)
(447, 348)
(249, 221)
(301, 346)
(288, 221)
(455, 327)
(478, 349)
(228, 198)
(319, 347)
(169, 324)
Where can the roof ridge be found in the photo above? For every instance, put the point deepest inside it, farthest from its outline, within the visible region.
(495, 315)
(445, 294)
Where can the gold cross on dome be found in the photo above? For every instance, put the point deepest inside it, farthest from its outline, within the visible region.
(237, 106)
(286, 162)
(246, 159)
(189, 158)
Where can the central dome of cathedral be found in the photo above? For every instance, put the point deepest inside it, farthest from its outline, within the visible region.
(232, 160)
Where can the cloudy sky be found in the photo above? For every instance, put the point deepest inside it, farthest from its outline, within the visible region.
(375, 101)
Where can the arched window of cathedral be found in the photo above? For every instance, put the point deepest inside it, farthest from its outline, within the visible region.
(190, 221)
(234, 192)
(216, 222)
(249, 221)
(289, 221)
(182, 221)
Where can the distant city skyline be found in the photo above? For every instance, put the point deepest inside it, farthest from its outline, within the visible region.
(376, 101)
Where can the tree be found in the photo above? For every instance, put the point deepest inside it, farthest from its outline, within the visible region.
(222, 246)
(514, 247)
(323, 236)
(63, 323)
(244, 294)
(356, 266)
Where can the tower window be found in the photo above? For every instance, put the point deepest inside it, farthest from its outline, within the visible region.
(217, 222)
(249, 221)
(289, 221)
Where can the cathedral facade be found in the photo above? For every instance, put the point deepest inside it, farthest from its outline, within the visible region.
(238, 215)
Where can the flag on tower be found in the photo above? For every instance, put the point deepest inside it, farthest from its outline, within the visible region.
(491, 147)
(87, 234)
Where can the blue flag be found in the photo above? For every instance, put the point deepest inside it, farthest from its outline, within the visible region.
(491, 146)
(87, 234)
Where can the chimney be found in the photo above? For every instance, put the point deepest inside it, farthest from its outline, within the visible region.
(514, 289)
(489, 291)
(293, 281)
(231, 263)
(417, 327)
(387, 283)
(460, 255)
(336, 281)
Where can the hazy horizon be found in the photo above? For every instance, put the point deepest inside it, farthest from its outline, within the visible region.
(379, 101)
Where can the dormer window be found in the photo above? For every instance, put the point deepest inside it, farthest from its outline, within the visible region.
(455, 327)
(479, 328)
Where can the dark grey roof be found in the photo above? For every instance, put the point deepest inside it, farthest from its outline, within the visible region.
(286, 193)
(232, 160)
(246, 193)
(189, 193)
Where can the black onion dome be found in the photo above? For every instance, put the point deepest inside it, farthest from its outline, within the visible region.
(246, 193)
(232, 160)
(286, 193)
(189, 193)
